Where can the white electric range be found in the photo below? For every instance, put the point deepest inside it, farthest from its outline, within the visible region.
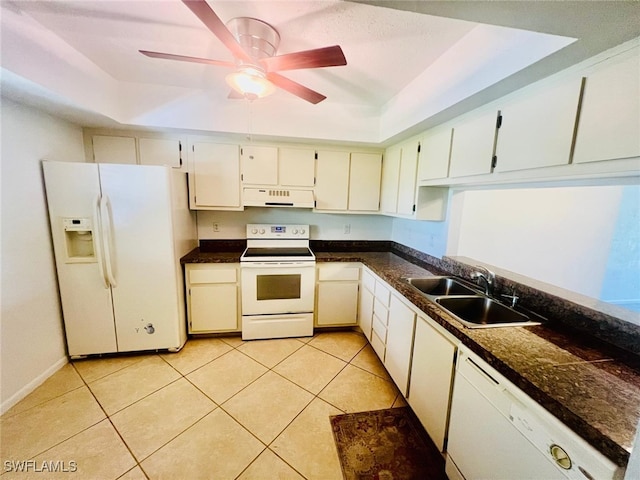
(278, 272)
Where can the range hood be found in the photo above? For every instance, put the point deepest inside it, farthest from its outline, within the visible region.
(278, 197)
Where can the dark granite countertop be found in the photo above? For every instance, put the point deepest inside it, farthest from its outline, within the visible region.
(590, 386)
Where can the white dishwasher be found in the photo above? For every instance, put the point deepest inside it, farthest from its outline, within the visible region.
(497, 432)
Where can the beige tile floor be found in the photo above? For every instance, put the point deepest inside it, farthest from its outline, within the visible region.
(219, 409)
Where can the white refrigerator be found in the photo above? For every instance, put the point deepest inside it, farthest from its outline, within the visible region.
(118, 234)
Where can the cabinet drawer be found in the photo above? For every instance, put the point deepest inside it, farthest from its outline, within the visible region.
(378, 345)
(380, 311)
(368, 281)
(382, 293)
(338, 272)
(380, 329)
(218, 275)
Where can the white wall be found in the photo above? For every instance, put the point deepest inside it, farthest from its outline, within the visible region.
(557, 235)
(428, 237)
(232, 225)
(32, 343)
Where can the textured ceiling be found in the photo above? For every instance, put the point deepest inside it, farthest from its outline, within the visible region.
(63, 46)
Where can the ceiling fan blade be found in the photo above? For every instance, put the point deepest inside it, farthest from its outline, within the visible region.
(203, 11)
(316, 58)
(295, 88)
(183, 58)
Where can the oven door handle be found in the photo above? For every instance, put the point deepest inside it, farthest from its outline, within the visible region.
(277, 264)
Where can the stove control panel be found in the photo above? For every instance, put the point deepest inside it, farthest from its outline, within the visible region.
(271, 231)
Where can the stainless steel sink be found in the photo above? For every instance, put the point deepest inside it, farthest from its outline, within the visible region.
(440, 286)
(483, 312)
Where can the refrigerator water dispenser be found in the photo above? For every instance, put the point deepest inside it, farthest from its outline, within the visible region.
(78, 236)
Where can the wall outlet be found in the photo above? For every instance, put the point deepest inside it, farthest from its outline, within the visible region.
(216, 227)
(347, 229)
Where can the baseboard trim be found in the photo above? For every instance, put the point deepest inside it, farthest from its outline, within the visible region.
(32, 385)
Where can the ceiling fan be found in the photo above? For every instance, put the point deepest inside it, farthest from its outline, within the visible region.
(253, 44)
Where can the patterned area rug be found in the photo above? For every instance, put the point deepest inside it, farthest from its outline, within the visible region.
(388, 444)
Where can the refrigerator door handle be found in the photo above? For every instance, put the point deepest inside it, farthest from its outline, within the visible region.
(105, 222)
(98, 239)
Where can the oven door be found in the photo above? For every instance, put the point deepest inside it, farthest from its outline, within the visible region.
(277, 287)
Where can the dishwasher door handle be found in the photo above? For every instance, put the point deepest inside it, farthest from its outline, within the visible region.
(482, 371)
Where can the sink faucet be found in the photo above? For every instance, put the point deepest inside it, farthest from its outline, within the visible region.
(487, 276)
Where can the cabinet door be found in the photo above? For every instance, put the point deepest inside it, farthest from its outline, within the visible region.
(407, 178)
(431, 376)
(397, 358)
(609, 125)
(364, 181)
(108, 149)
(216, 175)
(472, 145)
(259, 165)
(214, 307)
(365, 314)
(435, 149)
(332, 180)
(160, 151)
(537, 129)
(296, 167)
(337, 303)
(390, 179)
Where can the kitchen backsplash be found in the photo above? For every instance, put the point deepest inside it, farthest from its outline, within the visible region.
(323, 226)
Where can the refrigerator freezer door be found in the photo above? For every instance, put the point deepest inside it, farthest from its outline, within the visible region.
(73, 190)
(145, 301)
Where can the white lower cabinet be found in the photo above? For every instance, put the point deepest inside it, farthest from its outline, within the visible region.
(397, 359)
(432, 370)
(212, 297)
(337, 294)
(417, 352)
(365, 310)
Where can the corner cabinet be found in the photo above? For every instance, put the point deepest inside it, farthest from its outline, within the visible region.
(213, 297)
(337, 294)
(214, 179)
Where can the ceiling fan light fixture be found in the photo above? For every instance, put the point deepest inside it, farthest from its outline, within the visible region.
(251, 83)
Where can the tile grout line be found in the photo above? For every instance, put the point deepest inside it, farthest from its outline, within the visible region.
(108, 417)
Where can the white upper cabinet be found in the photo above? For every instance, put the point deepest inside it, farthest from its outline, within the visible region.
(348, 181)
(259, 165)
(364, 182)
(538, 126)
(472, 144)
(296, 167)
(332, 180)
(407, 177)
(609, 124)
(214, 180)
(435, 150)
(160, 151)
(111, 149)
(390, 180)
